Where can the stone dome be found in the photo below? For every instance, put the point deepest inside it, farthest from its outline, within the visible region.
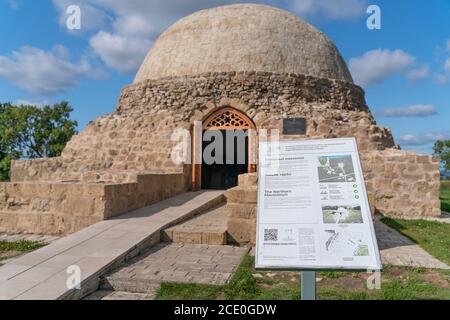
(243, 37)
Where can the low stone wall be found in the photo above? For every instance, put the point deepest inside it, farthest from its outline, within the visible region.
(64, 207)
(403, 184)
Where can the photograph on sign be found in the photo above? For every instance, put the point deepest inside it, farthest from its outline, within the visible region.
(313, 209)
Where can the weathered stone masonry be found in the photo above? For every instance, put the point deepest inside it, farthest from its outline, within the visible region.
(137, 136)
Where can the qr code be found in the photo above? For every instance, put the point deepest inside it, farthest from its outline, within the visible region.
(270, 234)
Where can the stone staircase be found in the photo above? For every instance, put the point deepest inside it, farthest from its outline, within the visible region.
(140, 278)
(192, 251)
(209, 228)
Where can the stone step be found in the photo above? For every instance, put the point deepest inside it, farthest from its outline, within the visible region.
(209, 228)
(175, 263)
(119, 295)
(122, 284)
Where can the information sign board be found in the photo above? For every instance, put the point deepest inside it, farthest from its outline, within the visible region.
(313, 209)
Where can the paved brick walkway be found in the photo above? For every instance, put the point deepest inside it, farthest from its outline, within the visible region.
(184, 263)
(181, 263)
(396, 249)
(120, 295)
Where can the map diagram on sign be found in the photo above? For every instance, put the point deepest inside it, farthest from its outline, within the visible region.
(350, 244)
(336, 169)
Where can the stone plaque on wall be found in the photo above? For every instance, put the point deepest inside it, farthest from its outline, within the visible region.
(294, 126)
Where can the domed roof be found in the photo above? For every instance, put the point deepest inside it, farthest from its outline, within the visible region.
(243, 37)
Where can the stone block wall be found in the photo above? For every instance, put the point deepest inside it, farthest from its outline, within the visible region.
(62, 208)
(403, 184)
(241, 210)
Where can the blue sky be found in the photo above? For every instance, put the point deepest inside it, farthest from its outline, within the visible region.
(404, 67)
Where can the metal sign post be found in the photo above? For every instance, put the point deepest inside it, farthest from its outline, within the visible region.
(308, 285)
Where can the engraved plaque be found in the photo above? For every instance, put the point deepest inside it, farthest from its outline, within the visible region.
(294, 126)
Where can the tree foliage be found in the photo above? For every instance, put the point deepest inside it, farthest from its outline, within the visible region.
(29, 132)
(442, 150)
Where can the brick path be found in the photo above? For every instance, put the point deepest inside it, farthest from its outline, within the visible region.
(396, 249)
(184, 263)
(120, 295)
(188, 263)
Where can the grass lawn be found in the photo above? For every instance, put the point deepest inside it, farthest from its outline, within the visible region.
(397, 283)
(12, 249)
(445, 196)
(432, 236)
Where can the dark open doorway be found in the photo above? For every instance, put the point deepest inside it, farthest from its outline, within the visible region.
(223, 174)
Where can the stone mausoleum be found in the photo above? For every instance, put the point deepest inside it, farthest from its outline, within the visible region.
(247, 67)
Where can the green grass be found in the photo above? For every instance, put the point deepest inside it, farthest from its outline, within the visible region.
(176, 291)
(445, 197)
(398, 283)
(432, 236)
(21, 246)
(18, 247)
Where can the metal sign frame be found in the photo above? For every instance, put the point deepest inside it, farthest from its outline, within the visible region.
(320, 267)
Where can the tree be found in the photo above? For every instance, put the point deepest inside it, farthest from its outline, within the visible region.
(29, 132)
(442, 150)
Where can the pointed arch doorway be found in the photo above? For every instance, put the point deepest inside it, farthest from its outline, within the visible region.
(236, 133)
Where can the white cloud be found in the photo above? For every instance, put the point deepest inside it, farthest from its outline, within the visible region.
(14, 4)
(442, 78)
(419, 110)
(448, 45)
(27, 102)
(329, 9)
(422, 139)
(419, 73)
(375, 66)
(447, 65)
(44, 72)
(119, 52)
(135, 25)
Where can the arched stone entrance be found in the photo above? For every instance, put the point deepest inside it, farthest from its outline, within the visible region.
(229, 123)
